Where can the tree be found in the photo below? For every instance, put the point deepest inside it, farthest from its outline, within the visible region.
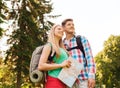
(29, 30)
(108, 63)
(3, 10)
(6, 78)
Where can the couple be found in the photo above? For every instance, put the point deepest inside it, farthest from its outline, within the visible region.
(86, 78)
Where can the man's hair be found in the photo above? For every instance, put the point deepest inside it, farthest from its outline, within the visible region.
(66, 20)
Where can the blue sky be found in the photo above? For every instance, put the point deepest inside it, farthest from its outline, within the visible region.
(94, 19)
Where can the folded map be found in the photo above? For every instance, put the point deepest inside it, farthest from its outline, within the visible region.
(69, 75)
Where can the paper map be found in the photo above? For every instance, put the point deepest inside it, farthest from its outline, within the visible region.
(69, 75)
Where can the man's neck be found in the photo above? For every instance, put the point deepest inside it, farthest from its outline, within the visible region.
(69, 36)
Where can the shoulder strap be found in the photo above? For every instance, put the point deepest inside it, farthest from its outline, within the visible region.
(79, 43)
(80, 46)
(50, 57)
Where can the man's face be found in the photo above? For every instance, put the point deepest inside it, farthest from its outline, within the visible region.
(69, 27)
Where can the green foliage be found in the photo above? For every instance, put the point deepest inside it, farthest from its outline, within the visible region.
(3, 10)
(108, 67)
(6, 78)
(29, 30)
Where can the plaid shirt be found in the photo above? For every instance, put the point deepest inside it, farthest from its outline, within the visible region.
(89, 70)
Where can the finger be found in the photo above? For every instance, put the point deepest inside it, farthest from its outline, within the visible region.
(69, 62)
(93, 85)
(89, 85)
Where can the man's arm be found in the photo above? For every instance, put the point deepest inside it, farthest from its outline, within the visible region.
(89, 58)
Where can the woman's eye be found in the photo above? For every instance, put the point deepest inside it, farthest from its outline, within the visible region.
(59, 28)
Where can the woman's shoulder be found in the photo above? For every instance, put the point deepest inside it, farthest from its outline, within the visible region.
(48, 45)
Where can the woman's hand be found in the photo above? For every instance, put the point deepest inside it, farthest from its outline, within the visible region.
(66, 63)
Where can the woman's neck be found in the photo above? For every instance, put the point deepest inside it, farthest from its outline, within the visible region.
(57, 42)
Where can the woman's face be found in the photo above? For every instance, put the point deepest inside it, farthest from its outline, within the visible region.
(58, 31)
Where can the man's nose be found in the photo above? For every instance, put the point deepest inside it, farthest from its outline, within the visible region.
(72, 25)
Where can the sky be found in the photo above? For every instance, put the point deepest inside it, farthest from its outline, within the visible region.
(94, 19)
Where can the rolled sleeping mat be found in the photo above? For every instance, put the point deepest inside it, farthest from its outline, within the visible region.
(36, 76)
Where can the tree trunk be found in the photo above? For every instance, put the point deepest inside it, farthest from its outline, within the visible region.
(18, 79)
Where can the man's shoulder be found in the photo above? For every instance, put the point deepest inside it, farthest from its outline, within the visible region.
(81, 36)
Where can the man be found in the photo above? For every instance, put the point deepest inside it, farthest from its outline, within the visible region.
(86, 78)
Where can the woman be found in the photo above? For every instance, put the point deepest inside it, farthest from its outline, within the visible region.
(59, 60)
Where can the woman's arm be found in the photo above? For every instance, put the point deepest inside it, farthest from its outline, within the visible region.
(43, 65)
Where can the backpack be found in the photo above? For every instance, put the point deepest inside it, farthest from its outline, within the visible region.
(79, 46)
(37, 76)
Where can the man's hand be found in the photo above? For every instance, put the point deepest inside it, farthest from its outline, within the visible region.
(91, 83)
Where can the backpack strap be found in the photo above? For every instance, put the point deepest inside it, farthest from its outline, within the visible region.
(79, 43)
(51, 56)
(80, 46)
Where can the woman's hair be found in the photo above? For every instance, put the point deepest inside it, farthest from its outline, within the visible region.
(51, 39)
